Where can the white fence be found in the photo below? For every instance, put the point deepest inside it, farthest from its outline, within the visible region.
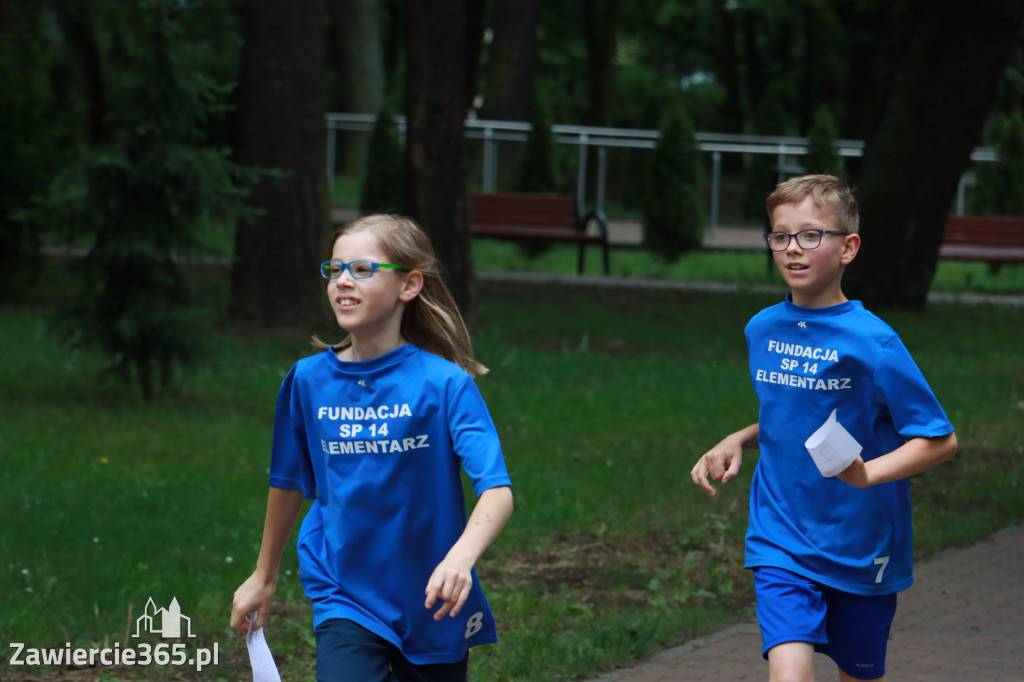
(785, 149)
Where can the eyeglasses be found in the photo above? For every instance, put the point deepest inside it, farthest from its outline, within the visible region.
(359, 269)
(805, 239)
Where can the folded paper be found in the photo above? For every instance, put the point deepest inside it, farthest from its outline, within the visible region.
(263, 667)
(832, 447)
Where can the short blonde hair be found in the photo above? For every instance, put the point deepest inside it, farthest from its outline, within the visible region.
(830, 194)
(432, 320)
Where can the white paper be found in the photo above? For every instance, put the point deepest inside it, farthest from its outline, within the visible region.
(832, 447)
(263, 667)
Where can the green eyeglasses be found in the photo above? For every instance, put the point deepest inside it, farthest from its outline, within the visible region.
(359, 269)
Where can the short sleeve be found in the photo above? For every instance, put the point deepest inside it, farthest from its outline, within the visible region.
(290, 464)
(475, 438)
(913, 407)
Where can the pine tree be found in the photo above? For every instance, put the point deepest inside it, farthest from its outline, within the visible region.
(673, 220)
(1001, 183)
(384, 183)
(141, 201)
(823, 156)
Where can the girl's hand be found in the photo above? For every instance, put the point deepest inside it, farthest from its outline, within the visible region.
(451, 582)
(255, 594)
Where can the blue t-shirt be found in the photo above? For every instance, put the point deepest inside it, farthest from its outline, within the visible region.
(378, 446)
(804, 363)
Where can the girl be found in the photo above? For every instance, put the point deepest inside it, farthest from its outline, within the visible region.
(374, 430)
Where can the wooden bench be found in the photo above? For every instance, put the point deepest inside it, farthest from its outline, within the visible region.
(993, 239)
(537, 217)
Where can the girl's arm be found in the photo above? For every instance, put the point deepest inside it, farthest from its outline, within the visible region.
(913, 457)
(257, 592)
(452, 580)
(723, 462)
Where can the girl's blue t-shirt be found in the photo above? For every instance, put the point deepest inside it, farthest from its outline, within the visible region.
(805, 363)
(378, 446)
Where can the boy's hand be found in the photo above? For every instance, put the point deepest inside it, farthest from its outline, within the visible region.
(720, 463)
(856, 474)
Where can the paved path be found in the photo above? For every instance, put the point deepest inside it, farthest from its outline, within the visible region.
(963, 619)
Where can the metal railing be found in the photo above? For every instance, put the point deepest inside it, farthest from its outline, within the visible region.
(715, 144)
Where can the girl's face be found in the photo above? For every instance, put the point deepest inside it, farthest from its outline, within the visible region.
(370, 309)
(813, 275)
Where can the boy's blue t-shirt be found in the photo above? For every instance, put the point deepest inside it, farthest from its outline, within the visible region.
(378, 446)
(804, 363)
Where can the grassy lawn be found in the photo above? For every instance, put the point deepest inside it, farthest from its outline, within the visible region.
(604, 398)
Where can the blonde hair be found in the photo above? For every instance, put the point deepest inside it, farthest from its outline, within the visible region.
(830, 194)
(431, 321)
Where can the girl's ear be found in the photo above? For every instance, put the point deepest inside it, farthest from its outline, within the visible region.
(411, 287)
(851, 245)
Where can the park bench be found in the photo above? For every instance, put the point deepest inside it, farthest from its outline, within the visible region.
(993, 239)
(537, 217)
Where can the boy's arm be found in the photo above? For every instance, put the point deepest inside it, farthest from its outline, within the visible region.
(723, 462)
(913, 457)
(257, 592)
(452, 580)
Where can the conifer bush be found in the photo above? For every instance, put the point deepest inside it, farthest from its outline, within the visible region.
(537, 168)
(384, 184)
(1001, 183)
(140, 202)
(673, 219)
(823, 156)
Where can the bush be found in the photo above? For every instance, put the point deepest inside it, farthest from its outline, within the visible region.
(384, 187)
(1001, 183)
(140, 202)
(823, 156)
(537, 169)
(673, 219)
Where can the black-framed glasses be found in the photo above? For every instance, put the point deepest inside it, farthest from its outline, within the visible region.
(805, 239)
(359, 269)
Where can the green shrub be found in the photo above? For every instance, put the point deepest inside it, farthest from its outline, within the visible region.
(140, 202)
(823, 156)
(384, 186)
(673, 220)
(1001, 183)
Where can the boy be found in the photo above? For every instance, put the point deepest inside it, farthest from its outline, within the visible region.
(829, 553)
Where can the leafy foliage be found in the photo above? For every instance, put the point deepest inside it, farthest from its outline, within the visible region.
(673, 221)
(141, 201)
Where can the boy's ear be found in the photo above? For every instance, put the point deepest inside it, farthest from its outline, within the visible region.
(411, 287)
(851, 245)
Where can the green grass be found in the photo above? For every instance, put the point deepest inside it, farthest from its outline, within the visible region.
(717, 265)
(604, 398)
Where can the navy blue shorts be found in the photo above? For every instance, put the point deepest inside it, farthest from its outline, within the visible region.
(348, 652)
(852, 629)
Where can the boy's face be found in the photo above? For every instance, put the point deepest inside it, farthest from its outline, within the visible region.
(813, 275)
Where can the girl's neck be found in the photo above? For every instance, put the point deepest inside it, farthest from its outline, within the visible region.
(363, 350)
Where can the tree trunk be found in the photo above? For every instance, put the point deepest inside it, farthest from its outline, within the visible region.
(360, 63)
(942, 94)
(507, 91)
(435, 149)
(281, 125)
(601, 25)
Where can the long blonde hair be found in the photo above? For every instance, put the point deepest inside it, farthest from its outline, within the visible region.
(431, 321)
